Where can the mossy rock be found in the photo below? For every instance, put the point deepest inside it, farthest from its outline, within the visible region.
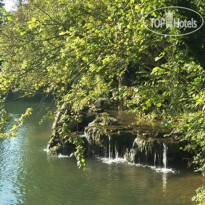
(53, 141)
(56, 149)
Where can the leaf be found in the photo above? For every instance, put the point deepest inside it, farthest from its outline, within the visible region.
(159, 104)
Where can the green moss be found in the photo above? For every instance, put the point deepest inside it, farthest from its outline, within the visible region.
(56, 149)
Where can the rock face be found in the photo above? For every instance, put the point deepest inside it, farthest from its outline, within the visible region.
(105, 134)
(66, 125)
(137, 143)
(102, 103)
(115, 134)
(61, 145)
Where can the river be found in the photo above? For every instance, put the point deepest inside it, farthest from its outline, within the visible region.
(28, 175)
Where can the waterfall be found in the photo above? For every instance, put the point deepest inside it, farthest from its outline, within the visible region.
(109, 141)
(155, 158)
(165, 148)
(140, 153)
(146, 154)
(132, 153)
(116, 152)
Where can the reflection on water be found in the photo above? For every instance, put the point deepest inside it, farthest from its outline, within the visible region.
(164, 181)
(28, 175)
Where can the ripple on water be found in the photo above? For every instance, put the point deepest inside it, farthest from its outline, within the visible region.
(123, 161)
(30, 176)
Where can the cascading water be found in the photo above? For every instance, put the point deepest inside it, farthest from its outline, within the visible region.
(139, 153)
(165, 148)
(116, 152)
(109, 147)
(155, 158)
(145, 152)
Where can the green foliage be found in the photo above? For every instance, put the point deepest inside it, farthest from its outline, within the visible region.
(200, 197)
(12, 131)
(79, 153)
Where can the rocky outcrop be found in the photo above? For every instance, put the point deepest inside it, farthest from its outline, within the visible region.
(67, 124)
(137, 143)
(105, 131)
(114, 134)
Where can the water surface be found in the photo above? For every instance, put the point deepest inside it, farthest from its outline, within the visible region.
(28, 175)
